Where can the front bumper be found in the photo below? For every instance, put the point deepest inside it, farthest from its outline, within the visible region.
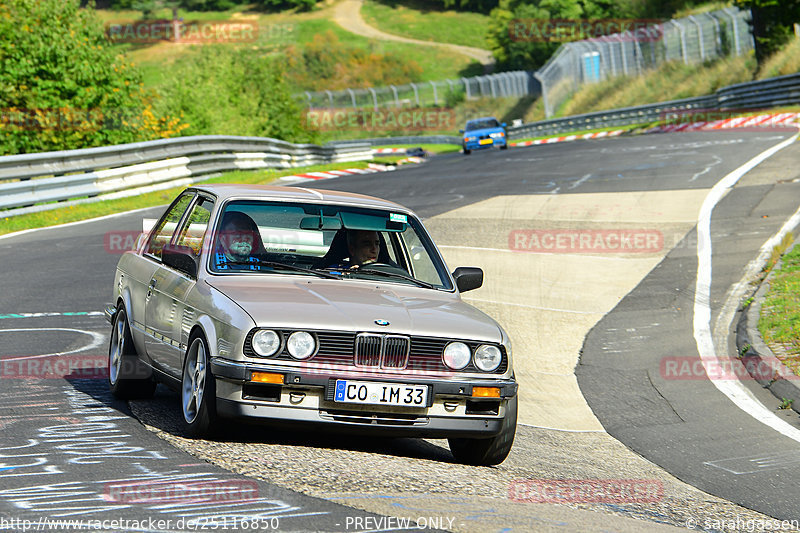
(306, 398)
(476, 145)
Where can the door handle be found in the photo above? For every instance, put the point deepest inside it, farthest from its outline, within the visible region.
(150, 288)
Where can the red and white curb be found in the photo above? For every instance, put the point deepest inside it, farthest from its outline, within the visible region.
(330, 174)
(567, 138)
(752, 121)
(388, 150)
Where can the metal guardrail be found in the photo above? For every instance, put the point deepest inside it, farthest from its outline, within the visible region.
(126, 169)
(605, 119)
(411, 139)
(762, 94)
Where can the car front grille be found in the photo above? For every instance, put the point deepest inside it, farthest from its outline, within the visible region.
(381, 351)
(420, 354)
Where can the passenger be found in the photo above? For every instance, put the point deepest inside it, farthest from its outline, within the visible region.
(239, 241)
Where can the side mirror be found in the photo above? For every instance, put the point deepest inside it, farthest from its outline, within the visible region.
(180, 258)
(460, 131)
(468, 278)
(503, 125)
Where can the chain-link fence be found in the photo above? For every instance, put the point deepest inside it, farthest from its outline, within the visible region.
(431, 93)
(692, 39)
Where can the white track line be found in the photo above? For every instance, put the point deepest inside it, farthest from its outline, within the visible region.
(733, 389)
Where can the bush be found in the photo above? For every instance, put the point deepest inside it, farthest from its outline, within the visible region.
(222, 90)
(63, 87)
(326, 63)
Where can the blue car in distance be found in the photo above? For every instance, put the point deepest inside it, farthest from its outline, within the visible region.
(484, 133)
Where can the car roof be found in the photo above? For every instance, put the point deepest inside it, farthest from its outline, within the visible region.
(225, 191)
(481, 119)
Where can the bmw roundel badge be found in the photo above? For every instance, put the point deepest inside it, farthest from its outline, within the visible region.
(382, 322)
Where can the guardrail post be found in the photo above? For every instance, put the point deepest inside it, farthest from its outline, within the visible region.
(683, 41)
(352, 97)
(717, 33)
(466, 88)
(416, 93)
(330, 98)
(732, 15)
(374, 98)
(396, 99)
(435, 96)
(547, 111)
(699, 37)
(308, 95)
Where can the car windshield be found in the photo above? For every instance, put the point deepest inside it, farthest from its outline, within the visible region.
(263, 237)
(482, 123)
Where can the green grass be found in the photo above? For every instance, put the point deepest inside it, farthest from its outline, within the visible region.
(437, 64)
(779, 323)
(427, 22)
(154, 59)
(74, 213)
(432, 148)
(671, 81)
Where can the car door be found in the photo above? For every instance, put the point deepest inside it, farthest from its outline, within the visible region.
(152, 308)
(165, 310)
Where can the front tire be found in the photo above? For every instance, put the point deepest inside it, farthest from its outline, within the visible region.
(128, 377)
(491, 451)
(466, 152)
(198, 390)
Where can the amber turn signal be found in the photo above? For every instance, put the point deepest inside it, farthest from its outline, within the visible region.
(266, 377)
(485, 392)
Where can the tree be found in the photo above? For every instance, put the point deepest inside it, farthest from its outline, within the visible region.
(222, 90)
(771, 23)
(518, 34)
(62, 86)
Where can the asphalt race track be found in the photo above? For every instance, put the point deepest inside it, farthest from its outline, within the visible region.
(594, 332)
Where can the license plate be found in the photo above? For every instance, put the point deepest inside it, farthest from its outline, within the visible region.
(369, 392)
(485, 141)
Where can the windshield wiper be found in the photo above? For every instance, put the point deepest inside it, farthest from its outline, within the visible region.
(275, 264)
(394, 275)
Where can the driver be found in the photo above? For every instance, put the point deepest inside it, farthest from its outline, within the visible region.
(363, 246)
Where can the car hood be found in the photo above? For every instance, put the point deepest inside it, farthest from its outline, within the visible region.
(347, 305)
(482, 132)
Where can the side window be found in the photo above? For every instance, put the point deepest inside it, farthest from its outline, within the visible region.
(194, 229)
(421, 264)
(165, 229)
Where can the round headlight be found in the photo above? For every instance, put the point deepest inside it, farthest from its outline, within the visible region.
(456, 355)
(487, 357)
(301, 345)
(266, 342)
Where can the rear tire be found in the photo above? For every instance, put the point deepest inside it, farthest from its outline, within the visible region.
(128, 377)
(491, 451)
(504, 147)
(198, 390)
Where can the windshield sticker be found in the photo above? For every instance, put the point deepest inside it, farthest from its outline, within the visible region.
(397, 217)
